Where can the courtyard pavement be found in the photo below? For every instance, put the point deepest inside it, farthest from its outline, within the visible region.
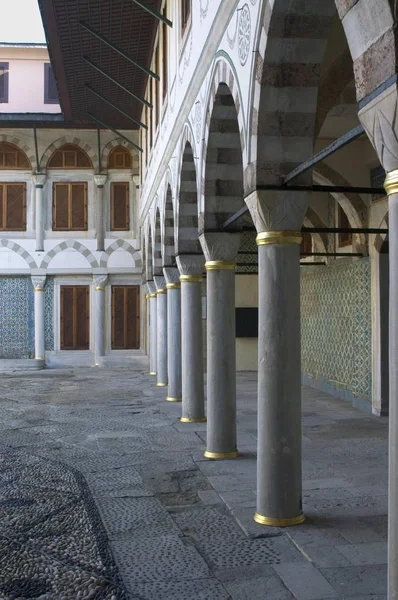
(105, 495)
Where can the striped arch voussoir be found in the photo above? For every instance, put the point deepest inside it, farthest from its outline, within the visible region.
(222, 74)
(69, 244)
(11, 139)
(14, 247)
(68, 139)
(127, 247)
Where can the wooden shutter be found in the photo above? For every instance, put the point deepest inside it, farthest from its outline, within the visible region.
(125, 317)
(2, 200)
(78, 206)
(133, 317)
(118, 318)
(75, 317)
(60, 206)
(70, 207)
(15, 209)
(120, 207)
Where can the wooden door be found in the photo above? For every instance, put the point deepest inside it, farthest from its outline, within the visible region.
(125, 317)
(75, 317)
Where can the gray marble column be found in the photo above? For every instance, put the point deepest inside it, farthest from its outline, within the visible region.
(100, 228)
(161, 299)
(279, 486)
(39, 283)
(39, 180)
(191, 269)
(279, 380)
(391, 185)
(220, 250)
(152, 328)
(173, 287)
(99, 319)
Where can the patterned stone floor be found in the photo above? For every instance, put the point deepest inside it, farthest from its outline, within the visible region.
(105, 495)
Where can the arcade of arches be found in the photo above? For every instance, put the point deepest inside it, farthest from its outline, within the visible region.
(213, 270)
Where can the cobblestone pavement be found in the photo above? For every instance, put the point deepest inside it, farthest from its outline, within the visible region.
(105, 495)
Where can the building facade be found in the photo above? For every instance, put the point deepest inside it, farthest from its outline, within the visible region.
(221, 115)
(70, 266)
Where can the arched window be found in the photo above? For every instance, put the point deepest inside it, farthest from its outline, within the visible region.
(69, 157)
(12, 157)
(119, 158)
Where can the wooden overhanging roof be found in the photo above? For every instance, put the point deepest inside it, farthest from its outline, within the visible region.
(74, 49)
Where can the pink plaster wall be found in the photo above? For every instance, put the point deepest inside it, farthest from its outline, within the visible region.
(26, 80)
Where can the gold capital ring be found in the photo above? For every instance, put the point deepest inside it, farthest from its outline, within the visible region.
(278, 237)
(220, 265)
(391, 183)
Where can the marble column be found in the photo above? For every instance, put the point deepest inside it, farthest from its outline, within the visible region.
(220, 250)
(191, 269)
(99, 323)
(161, 299)
(39, 283)
(391, 185)
(100, 227)
(152, 328)
(279, 485)
(39, 180)
(173, 287)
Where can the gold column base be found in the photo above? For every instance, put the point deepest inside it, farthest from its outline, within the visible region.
(220, 455)
(152, 373)
(171, 399)
(274, 522)
(161, 384)
(188, 420)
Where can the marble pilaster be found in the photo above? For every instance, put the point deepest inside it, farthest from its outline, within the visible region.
(39, 180)
(100, 181)
(99, 332)
(39, 283)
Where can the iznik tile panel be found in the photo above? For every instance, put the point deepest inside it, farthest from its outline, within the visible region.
(16, 317)
(49, 314)
(336, 325)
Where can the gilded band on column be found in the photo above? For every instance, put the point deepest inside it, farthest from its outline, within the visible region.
(278, 237)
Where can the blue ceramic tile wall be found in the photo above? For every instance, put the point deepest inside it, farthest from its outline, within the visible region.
(16, 317)
(336, 326)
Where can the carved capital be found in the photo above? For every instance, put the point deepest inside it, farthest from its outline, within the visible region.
(100, 282)
(160, 282)
(39, 282)
(277, 211)
(100, 180)
(220, 246)
(39, 179)
(151, 287)
(191, 264)
(380, 121)
(172, 275)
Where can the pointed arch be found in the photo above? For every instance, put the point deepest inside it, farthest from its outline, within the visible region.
(69, 244)
(27, 150)
(352, 203)
(149, 257)
(223, 78)
(168, 245)
(14, 247)
(222, 171)
(69, 139)
(116, 245)
(157, 247)
(187, 240)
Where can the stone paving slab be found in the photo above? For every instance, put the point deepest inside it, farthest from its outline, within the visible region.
(157, 520)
